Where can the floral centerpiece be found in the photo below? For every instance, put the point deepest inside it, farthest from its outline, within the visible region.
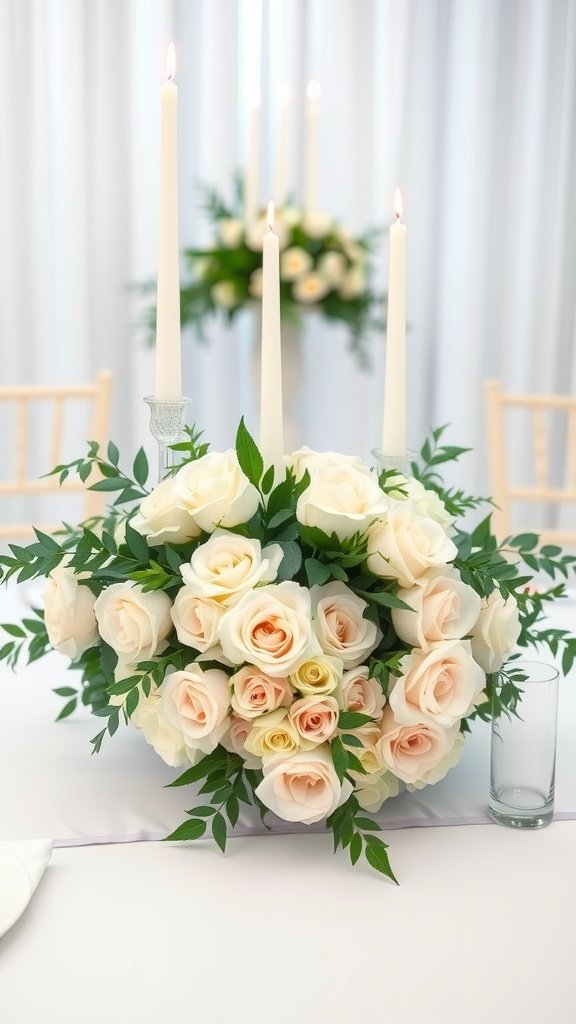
(322, 267)
(306, 648)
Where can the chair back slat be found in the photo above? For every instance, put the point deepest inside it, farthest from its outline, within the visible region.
(22, 413)
(540, 440)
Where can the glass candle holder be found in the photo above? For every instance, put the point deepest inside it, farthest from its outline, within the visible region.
(167, 421)
(523, 752)
(398, 463)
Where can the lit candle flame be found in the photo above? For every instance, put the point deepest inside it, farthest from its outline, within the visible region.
(398, 204)
(313, 91)
(170, 62)
(271, 214)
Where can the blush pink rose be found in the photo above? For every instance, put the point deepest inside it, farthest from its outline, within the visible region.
(197, 702)
(361, 693)
(340, 625)
(412, 752)
(303, 787)
(315, 719)
(441, 685)
(254, 692)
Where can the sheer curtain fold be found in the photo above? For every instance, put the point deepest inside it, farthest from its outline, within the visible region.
(469, 107)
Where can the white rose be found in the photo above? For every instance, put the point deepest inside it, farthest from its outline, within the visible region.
(132, 622)
(306, 459)
(440, 685)
(197, 702)
(369, 754)
(340, 624)
(167, 741)
(310, 287)
(428, 503)
(271, 735)
(196, 620)
(224, 294)
(341, 499)
(228, 566)
(230, 231)
(443, 608)
(271, 628)
(331, 266)
(321, 674)
(317, 224)
(353, 283)
(215, 491)
(372, 790)
(255, 693)
(304, 787)
(234, 739)
(496, 633)
(361, 693)
(69, 613)
(315, 719)
(161, 519)
(403, 546)
(294, 262)
(414, 752)
(435, 774)
(256, 284)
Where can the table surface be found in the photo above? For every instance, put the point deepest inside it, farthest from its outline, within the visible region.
(482, 927)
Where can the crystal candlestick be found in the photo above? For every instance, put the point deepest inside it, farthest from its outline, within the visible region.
(167, 421)
(399, 463)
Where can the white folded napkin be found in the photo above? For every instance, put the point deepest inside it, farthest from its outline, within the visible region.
(22, 865)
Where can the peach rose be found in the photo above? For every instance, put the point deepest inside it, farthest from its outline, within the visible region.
(443, 608)
(197, 702)
(304, 787)
(133, 622)
(196, 620)
(496, 633)
(228, 565)
(340, 625)
(405, 546)
(361, 693)
(413, 752)
(255, 693)
(435, 774)
(315, 719)
(439, 685)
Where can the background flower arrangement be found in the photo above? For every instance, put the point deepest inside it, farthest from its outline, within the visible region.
(302, 648)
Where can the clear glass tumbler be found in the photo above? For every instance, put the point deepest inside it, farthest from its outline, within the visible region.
(523, 752)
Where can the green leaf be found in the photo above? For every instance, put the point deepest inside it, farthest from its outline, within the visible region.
(249, 457)
(192, 829)
(377, 857)
(140, 467)
(204, 767)
(352, 719)
(67, 709)
(113, 453)
(367, 825)
(132, 702)
(219, 831)
(66, 691)
(339, 757)
(384, 598)
(137, 544)
(355, 847)
(268, 480)
(316, 572)
(202, 812)
(352, 741)
(110, 483)
(232, 809)
(291, 562)
(14, 630)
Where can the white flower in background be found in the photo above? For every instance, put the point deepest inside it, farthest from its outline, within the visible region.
(168, 742)
(369, 754)
(132, 622)
(306, 459)
(441, 685)
(442, 608)
(271, 628)
(230, 232)
(215, 491)
(315, 719)
(288, 216)
(234, 739)
(340, 625)
(224, 294)
(361, 693)
(201, 266)
(355, 252)
(257, 229)
(69, 613)
(310, 288)
(353, 283)
(405, 546)
(317, 224)
(415, 753)
(332, 266)
(319, 675)
(228, 566)
(496, 633)
(435, 774)
(256, 283)
(196, 620)
(255, 693)
(271, 735)
(304, 787)
(294, 262)
(372, 790)
(161, 519)
(341, 499)
(197, 701)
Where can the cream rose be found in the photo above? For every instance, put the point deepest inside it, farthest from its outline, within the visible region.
(294, 262)
(341, 499)
(228, 566)
(496, 633)
(234, 739)
(413, 752)
(353, 283)
(310, 287)
(215, 491)
(306, 459)
(303, 787)
(443, 608)
(317, 224)
(132, 622)
(372, 790)
(315, 719)
(197, 702)
(340, 625)
(361, 693)
(332, 266)
(196, 620)
(369, 754)
(255, 693)
(319, 675)
(69, 613)
(439, 685)
(271, 735)
(271, 628)
(403, 546)
(168, 742)
(162, 520)
(230, 231)
(224, 294)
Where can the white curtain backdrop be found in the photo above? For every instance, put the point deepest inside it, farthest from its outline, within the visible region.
(467, 105)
